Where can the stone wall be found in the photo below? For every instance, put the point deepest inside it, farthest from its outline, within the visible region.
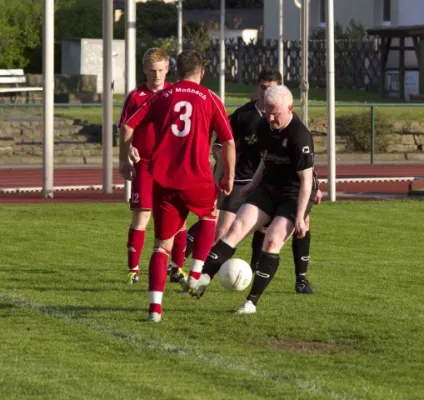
(66, 83)
(401, 137)
(68, 89)
(76, 142)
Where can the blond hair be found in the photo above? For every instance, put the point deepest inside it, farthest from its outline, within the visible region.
(155, 54)
(278, 94)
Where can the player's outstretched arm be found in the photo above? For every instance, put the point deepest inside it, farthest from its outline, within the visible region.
(306, 181)
(228, 157)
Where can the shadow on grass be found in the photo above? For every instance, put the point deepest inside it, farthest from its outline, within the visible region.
(6, 306)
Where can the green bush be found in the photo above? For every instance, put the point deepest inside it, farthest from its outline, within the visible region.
(78, 19)
(356, 129)
(20, 31)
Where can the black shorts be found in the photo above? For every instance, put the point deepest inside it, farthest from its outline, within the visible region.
(276, 204)
(234, 201)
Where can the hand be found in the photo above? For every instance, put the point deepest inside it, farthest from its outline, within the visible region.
(318, 197)
(217, 180)
(226, 185)
(127, 170)
(300, 228)
(246, 189)
(133, 154)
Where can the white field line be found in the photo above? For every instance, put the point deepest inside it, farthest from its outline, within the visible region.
(308, 386)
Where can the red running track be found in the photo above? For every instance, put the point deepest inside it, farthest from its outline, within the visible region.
(21, 178)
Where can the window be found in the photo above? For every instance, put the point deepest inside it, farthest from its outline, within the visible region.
(322, 16)
(386, 11)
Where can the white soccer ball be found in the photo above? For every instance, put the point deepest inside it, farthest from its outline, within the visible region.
(235, 274)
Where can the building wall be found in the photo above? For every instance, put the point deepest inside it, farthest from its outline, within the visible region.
(403, 12)
(291, 18)
(378, 13)
(411, 12)
(90, 54)
(362, 11)
(71, 57)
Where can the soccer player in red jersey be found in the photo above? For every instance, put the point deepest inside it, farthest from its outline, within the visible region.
(155, 67)
(184, 117)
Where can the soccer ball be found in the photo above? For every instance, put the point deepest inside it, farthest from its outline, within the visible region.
(235, 274)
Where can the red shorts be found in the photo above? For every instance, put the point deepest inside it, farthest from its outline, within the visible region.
(171, 207)
(141, 188)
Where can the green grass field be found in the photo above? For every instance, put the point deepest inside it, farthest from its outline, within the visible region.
(348, 102)
(71, 329)
(238, 94)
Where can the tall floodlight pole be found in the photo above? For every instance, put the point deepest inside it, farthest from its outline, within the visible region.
(331, 112)
(180, 26)
(130, 63)
(48, 99)
(280, 38)
(107, 96)
(304, 84)
(222, 53)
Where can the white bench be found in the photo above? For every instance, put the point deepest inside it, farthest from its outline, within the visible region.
(16, 77)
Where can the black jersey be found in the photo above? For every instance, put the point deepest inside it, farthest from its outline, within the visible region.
(286, 152)
(244, 122)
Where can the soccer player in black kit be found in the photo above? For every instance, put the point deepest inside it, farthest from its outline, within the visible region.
(244, 122)
(281, 194)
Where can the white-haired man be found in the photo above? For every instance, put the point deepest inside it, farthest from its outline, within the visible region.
(282, 193)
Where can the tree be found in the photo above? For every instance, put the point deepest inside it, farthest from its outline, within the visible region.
(214, 4)
(20, 31)
(78, 19)
(196, 35)
(353, 31)
(156, 19)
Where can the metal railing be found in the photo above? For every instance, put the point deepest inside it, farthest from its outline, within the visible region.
(372, 110)
(372, 107)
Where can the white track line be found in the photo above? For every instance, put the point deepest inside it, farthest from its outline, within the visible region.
(369, 196)
(100, 187)
(56, 189)
(372, 180)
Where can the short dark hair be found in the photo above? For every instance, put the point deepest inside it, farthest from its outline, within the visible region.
(188, 63)
(270, 75)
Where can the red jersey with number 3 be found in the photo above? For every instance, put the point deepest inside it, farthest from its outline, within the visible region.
(144, 135)
(184, 117)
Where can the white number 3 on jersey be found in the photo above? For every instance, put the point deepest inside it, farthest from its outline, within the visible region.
(183, 117)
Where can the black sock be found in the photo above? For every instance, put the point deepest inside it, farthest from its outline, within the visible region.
(191, 233)
(267, 267)
(217, 256)
(257, 242)
(300, 249)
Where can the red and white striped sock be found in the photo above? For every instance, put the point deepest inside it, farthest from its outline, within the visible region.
(157, 278)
